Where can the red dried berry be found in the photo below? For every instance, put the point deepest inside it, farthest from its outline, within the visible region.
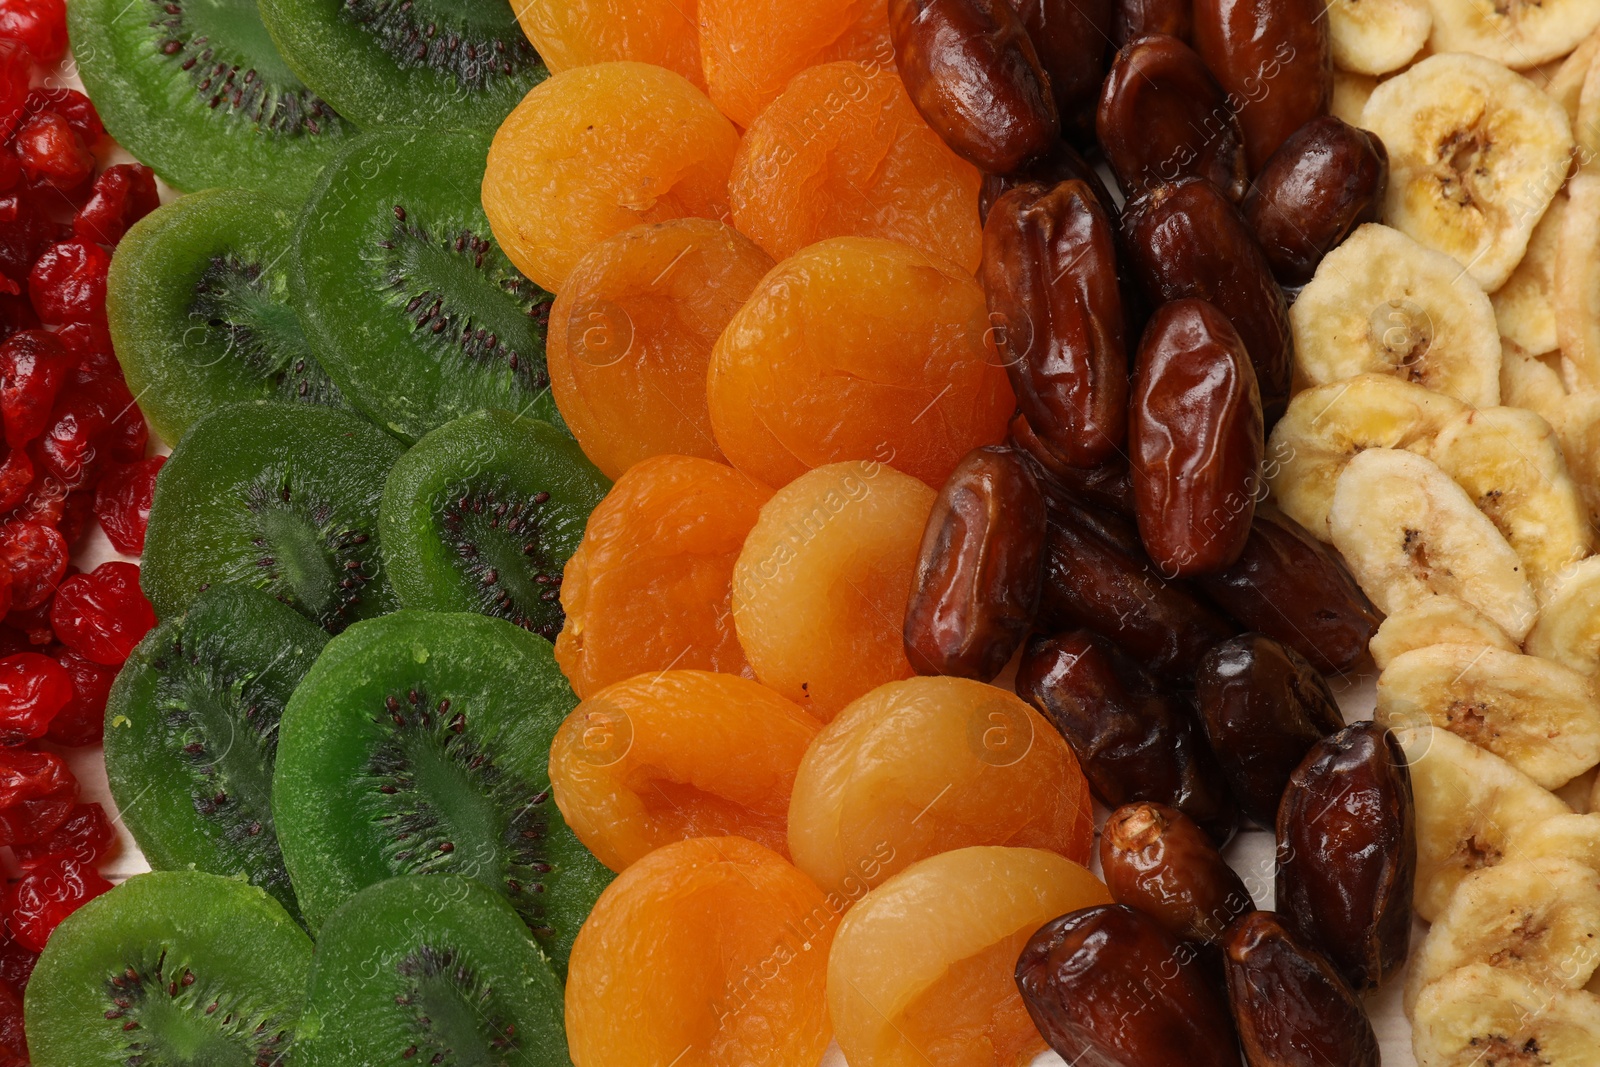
(33, 688)
(16, 477)
(103, 615)
(77, 511)
(123, 194)
(12, 640)
(51, 151)
(13, 1037)
(90, 345)
(71, 105)
(16, 69)
(48, 894)
(25, 232)
(122, 503)
(31, 628)
(83, 720)
(16, 963)
(86, 836)
(33, 367)
(37, 793)
(40, 26)
(36, 555)
(68, 283)
(5, 606)
(129, 435)
(82, 422)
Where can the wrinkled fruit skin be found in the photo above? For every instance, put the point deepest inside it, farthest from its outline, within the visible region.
(46, 895)
(1107, 986)
(102, 615)
(1070, 38)
(1162, 116)
(1195, 438)
(1133, 740)
(1290, 1005)
(68, 283)
(34, 366)
(123, 194)
(122, 502)
(85, 837)
(1108, 486)
(1291, 587)
(37, 794)
(1347, 853)
(1064, 163)
(1134, 19)
(83, 720)
(33, 689)
(977, 582)
(1263, 707)
(1188, 240)
(974, 75)
(1157, 861)
(1050, 281)
(1328, 178)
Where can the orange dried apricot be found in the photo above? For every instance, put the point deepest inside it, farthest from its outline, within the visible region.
(921, 968)
(631, 334)
(858, 348)
(678, 754)
(596, 150)
(820, 587)
(709, 952)
(649, 587)
(567, 35)
(751, 48)
(927, 765)
(842, 152)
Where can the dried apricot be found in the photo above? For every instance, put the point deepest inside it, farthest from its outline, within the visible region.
(928, 765)
(649, 586)
(631, 334)
(596, 150)
(821, 584)
(677, 754)
(710, 952)
(921, 968)
(842, 152)
(567, 35)
(858, 348)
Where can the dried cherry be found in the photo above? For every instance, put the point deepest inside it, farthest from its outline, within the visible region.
(103, 615)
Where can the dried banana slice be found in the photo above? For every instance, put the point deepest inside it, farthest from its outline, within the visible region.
(1567, 837)
(1577, 275)
(1579, 430)
(1377, 36)
(1538, 716)
(1436, 620)
(1510, 463)
(1481, 1016)
(1517, 33)
(1527, 381)
(1476, 152)
(1328, 425)
(1524, 307)
(1382, 303)
(1350, 92)
(1568, 630)
(1566, 85)
(1407, 532)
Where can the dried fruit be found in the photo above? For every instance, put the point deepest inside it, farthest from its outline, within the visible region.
(33, 689)
(102, 615)
(122, 502)
(68, 283)
(1158, 861)
(47, 894)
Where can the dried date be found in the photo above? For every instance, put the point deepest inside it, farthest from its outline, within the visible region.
(1072, 38)
(1064, 163)
(1133, 19)
(1108, 485)
(1156, 859)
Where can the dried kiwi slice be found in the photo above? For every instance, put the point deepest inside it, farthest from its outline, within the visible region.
(434, 969)
(281, 497)
(192, 734)
(409, 303)
(171, 969)
(417, 64)
(198, 300)
(197, 90)
(482, 515)
(420, 744)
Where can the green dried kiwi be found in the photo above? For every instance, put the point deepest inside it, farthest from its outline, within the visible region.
(196, 89)
(170, 969)
(280, 497)
(417, 64)
(430, 969)
(483, 513)
(192, 734)
(198, 302)
(419, 743)
(406, 297)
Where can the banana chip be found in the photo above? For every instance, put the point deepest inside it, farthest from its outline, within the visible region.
(1577, 275)
(1514, 32)
(1568, 630)
(1436, 620)
(1566, 85)
(1525, 306)
(1481, 1016)
(1565, 837)
(1377, 36)
(1350, 92)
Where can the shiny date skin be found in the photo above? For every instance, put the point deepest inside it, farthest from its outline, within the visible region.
(1072, 39)
(1187, 240)
(1291, 587)
(1324, 181)
(974, 75)
(1162, 116)
(1050, 278)
(979, 569)
(1063, 163)
(1108, 485)
(1108, 987)
(1133, 19)
(1347, 853)
(1195, 439)
(1263, 707)
(1097, 576)
(1290, 1006)
(1158, 861)
(1134, 740)
(1275, 60)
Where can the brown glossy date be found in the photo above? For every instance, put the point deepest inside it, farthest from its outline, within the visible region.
(1108, 485)
(1108, 987)
(976, 587)
(1072, 38)
(1324, 181)
(1134, 740)
(1133, 19)
(972, 72)
(1290, 1006)
(1347, 853)
(1195, 439)
(1050, 277)
(1187, 240)
(1162, 116)
(1263, 707)
(1157, 860)
(1290, 586)
(1097, 576)
(1275, 60)
(1064, 163)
